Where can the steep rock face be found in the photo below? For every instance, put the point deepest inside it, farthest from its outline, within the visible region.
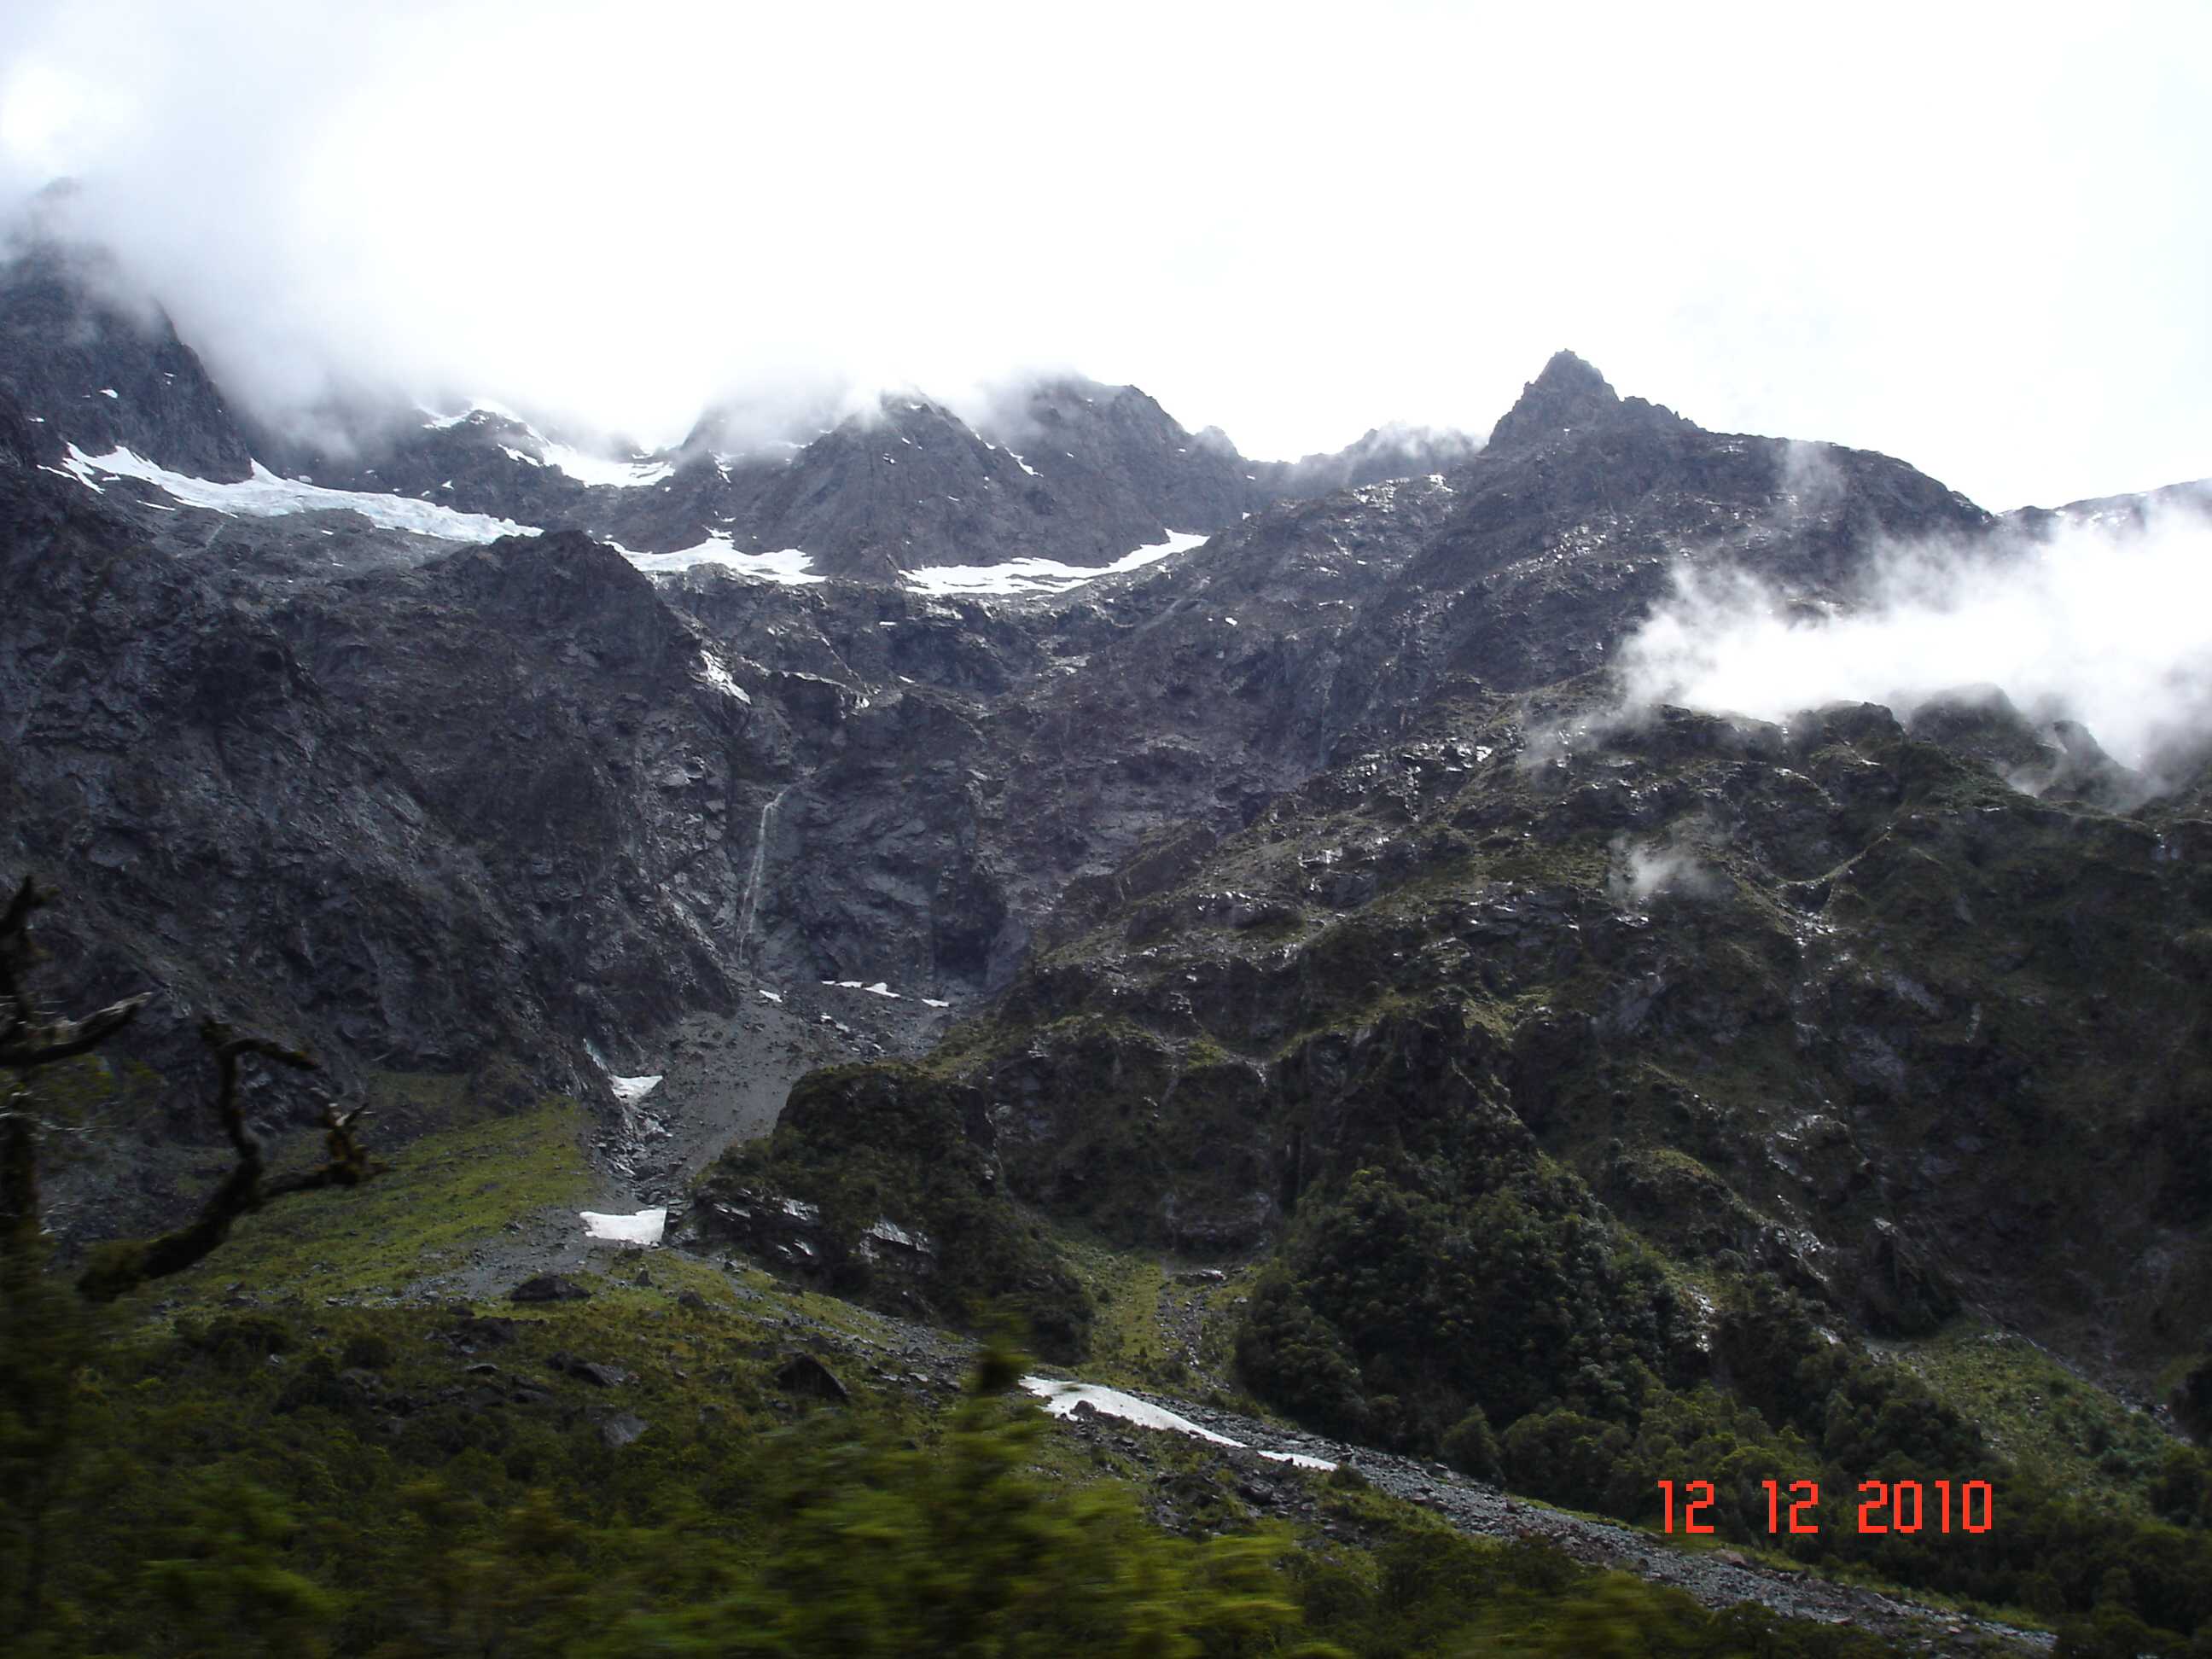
(1569, 395)
(1918, 1038)
(225, 836)
(85, 365)
(550, 715)
(461, 817)
(1316, 850)
(1116, 445)
(917, 487)
(1090, 745)
(237, 799)
(1828, 981)
(483, 462)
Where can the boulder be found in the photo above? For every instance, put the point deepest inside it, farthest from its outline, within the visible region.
(803, 1374)
(590, 1370)
(549, 1287)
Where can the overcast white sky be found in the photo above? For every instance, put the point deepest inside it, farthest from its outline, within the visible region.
(1976, 237)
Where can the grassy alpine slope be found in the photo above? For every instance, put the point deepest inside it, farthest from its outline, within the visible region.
(307, 1461)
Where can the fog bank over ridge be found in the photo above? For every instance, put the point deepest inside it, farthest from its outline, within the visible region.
(2098, 620)
(617, 220)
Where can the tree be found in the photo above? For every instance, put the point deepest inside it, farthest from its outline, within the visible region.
(50, 1339)
(31, 1037)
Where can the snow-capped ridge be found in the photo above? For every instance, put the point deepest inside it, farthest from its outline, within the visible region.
(631, 472)
(789, 566)
(265, 496)
(1032, 575)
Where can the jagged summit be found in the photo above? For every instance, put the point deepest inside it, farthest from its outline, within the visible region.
(1065, 468)
(1569, 395)
(1397, 450)
(87, 367)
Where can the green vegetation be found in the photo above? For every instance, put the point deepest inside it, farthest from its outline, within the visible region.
(1395, 1119)
(1125, 1346)
(440, 1195)
(2071, 1435)
(1402, 1307)
(338, 1470)
(404, 1481)
(870, 1143)
(1871, 1048)
(365, 1484)
(1402, 1318)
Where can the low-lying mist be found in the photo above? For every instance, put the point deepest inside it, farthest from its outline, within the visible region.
(2105, 623)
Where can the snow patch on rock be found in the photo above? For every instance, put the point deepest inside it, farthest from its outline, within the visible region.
(1061, 1398)
(265, 496)
(601, 472)
(880, 989)
(1031, 575)
(720, 678)
(645, 1228)
(790, 566)
(631, 1089)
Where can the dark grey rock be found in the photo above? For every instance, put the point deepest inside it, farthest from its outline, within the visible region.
(587, 1371)
(549, 1287)
(803, 1374)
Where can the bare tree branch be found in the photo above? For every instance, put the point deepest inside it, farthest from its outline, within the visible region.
(18, 1184)
(26, 1041)
(16, 952)
(118, 1268)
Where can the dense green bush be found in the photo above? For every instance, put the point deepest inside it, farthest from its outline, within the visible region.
(1472, 1447)
(864, 1143)
(293, 1506)
(1409, 1318)
(1401, 1308)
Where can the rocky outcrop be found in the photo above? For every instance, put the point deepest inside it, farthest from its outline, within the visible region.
(1824, 1003)
(88, 361)
(1570, 397)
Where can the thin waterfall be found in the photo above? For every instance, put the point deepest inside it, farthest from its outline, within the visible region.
(746, 911)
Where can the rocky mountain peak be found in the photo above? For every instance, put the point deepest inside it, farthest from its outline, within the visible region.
(1570, 396)
(1569, 392)
(93, 366)
(1571, 373)
(1081, 411)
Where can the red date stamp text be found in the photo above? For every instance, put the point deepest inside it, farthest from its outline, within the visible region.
(1899, 1506)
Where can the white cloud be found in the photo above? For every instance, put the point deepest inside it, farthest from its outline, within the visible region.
(1641, 871)
(1967, 237)
(2109, 624)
